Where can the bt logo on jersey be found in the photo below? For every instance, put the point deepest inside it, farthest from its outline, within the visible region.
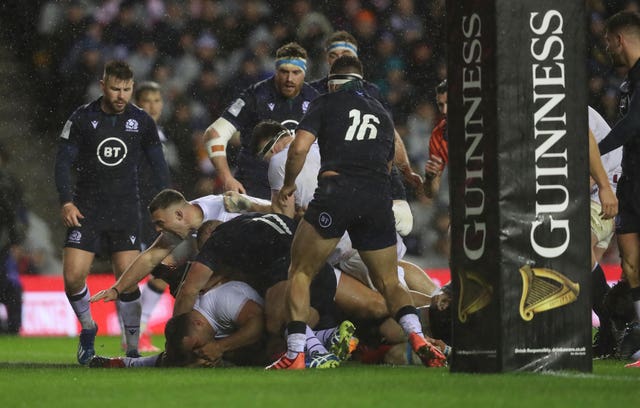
(111, 151)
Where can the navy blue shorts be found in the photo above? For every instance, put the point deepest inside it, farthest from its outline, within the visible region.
(628, 218)
(103, 233)
(359, 206)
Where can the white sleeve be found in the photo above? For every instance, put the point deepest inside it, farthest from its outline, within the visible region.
(276, 170)
(229, 304)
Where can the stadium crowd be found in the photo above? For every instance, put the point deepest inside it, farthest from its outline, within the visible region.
(204, 52)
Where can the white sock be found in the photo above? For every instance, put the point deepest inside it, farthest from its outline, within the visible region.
(130, 315)
(314, 344)
(325, 335)
(149, 361)
(295, 344)
(81, 307)
(411, 324)
(149, 299)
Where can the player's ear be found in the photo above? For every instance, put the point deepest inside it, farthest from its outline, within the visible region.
(179, 214)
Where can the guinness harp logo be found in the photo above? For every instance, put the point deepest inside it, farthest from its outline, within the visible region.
(545, 289)
(475, 294)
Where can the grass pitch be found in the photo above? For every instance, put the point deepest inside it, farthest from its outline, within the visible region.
(42, 372)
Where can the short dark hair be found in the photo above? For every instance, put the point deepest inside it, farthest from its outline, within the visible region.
(146, 86)
(346, 64)
(263, 131)
(118, 69)
(175, 331)
(441, 87)
(341, 36)
(292, 49)
(623, 21)
(165, 199)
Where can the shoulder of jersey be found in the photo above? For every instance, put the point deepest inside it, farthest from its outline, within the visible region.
(311, 90)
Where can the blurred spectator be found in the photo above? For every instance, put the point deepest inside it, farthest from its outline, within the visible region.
(365, 29)
(405, 23)
(207, 95)
(143, 59)
(180, 127)
(124, 33)
(419, 125)
(167, 31)
(12, 231)
(422, 69)
(312, 29)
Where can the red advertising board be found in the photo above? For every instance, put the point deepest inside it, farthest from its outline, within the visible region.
(46, 310)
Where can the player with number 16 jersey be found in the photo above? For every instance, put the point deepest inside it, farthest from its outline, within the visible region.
(356, 139)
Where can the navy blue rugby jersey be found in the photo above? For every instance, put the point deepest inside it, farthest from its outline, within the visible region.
(258, 102)
(354, 131)
(397, 186)
(109, 150)
(626, 132)
(255, 246)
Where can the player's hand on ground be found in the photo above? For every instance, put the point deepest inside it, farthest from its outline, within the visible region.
(231, 184)
(71, 216)
(434, 167)
(106, 295)
(609, 203)
(234, 202)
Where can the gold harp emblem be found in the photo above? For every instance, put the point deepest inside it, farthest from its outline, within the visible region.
(475, 294)
(545, 289)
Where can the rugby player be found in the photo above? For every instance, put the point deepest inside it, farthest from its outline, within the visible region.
(622, 36)
(104, 142)
(356, 140)
(284, 98)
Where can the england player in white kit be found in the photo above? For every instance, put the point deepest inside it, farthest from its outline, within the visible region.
(177, 219)
(225, 320)
(602, 229)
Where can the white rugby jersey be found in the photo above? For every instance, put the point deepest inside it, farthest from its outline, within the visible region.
(307, 180)
(610, 161)
(222, 304)
(213, 207)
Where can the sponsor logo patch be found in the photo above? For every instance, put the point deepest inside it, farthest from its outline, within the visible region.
(236, 107)
(111, 151)
(324, 220)
(131, 125)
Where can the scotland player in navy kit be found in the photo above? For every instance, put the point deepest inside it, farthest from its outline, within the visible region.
(342, 43)
(104, 142)
(283, 98)
(622, 36)
(356, 138)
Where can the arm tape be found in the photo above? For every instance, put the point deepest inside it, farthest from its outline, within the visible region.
(217, 146)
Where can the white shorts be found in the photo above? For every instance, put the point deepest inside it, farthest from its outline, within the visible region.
(404, 217)
(602, 229)
(356, 268)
